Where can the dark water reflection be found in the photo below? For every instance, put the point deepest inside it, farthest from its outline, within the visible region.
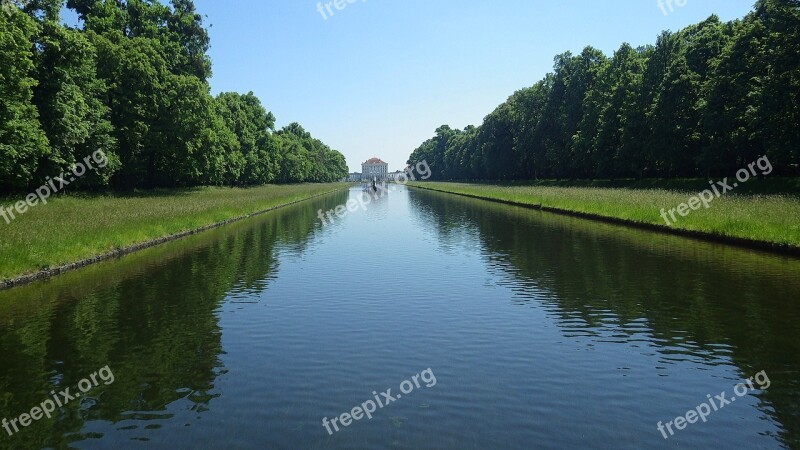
(695, 303)
(151, 316)
(543, 332)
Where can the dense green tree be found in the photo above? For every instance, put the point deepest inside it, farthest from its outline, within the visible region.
(69, 99)
(497, 144)
(335, 166)
(251, 123)
(770, 43)
(137, 78)
(22, 141)
(532, 104)
(703, 101)
(193, 142)
(295, 162)
(433, 151)
(186, 30)
(674, 112)
(304, 158)
(132, 83)
(620, 83)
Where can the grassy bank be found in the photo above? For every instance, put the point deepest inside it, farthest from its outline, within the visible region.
(763, 186)
(71, 228)
(771, 220)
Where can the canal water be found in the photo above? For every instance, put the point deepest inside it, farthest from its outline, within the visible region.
(494, 327)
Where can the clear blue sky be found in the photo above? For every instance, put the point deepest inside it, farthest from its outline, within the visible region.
(378, 77)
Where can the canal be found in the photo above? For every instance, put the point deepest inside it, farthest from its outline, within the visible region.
(493, 326)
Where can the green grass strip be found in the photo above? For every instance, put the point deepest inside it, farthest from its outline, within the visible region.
(769, 219)
(71, 228)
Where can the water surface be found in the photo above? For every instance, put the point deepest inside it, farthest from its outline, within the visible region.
(542, 331)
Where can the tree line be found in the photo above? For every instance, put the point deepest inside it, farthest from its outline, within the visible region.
(132, 82)
(703, 101)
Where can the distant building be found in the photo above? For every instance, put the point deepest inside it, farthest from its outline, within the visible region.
(374, 168)
(396, 175)
(353, 177)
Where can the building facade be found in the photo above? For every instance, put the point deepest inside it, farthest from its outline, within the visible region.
(398, 175)
(376, 169)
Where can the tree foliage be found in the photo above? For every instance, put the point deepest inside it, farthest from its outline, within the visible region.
(132, 82)
(22, 140)
(703, 101)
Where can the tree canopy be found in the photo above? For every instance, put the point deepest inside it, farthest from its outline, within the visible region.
(703, 101)
(132, 81)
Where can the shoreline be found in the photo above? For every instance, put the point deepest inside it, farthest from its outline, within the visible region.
(116, 253)
(752, 244)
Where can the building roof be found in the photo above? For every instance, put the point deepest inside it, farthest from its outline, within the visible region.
(374, 161)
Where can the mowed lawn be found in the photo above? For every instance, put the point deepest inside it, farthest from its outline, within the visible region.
(70, 228)
(773, 219)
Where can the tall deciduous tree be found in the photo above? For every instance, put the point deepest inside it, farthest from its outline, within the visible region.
(22, 141)
(702, 101)
(69, 99)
